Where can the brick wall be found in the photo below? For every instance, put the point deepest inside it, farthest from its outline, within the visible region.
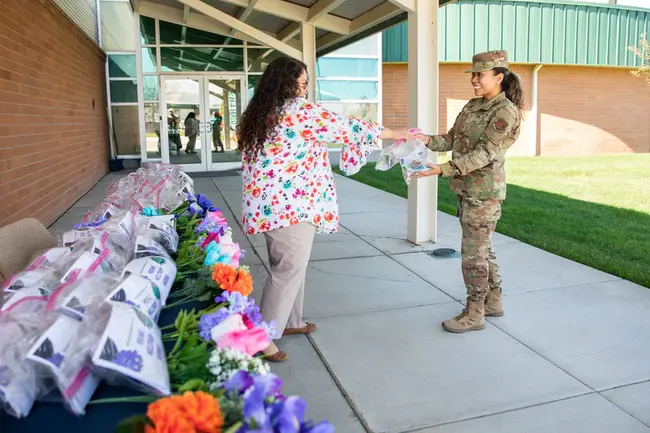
(582, 111)
(54, 142)
(593, 110)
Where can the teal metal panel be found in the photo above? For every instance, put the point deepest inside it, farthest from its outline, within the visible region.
(532, 31)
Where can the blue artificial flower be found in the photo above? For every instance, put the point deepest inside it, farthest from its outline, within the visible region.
(204, 202)
(150, 211)
(213, 255)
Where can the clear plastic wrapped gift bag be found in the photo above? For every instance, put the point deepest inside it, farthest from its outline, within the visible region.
(410, 154)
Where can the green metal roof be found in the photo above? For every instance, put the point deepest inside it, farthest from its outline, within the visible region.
(371, 31)
(541, 31)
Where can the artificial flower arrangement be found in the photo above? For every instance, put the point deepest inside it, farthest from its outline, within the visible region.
(151, 245)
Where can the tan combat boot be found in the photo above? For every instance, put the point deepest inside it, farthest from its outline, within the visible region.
(471, 319)
(494, 304)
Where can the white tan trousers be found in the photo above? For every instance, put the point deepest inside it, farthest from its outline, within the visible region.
(289, 250)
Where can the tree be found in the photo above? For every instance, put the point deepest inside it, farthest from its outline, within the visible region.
(643, 52)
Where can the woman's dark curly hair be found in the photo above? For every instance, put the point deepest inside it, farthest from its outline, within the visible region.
(278, 84)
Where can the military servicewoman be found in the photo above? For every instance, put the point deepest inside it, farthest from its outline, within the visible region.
(482, 133)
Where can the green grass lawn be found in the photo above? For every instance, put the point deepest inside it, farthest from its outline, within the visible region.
(594, 210)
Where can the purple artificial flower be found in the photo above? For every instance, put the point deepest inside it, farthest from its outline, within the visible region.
(270, 384)
(206, 225)
(209, 321)
(99, 221)
(270, 328)
(203, 201)
(287, 416)
(239, 382)
(321, 427)
(254, 409)
(245, 306)
(130, 359)
(195, 209)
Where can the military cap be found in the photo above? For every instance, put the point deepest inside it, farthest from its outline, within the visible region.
(489, 60)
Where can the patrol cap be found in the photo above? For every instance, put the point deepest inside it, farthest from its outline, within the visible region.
(489, 60)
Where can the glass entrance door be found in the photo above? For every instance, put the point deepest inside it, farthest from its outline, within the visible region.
(199, 118)
(226, 101)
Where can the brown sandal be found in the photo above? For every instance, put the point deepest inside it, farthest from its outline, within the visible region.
(307, 329)
(278, 356)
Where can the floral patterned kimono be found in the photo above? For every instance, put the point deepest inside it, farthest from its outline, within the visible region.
(293, 181)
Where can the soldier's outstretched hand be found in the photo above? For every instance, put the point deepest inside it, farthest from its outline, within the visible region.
(434, 170)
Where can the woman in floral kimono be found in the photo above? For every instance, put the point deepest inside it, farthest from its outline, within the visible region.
(288, 186)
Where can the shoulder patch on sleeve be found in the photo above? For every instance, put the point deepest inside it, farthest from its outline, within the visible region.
(500, 125)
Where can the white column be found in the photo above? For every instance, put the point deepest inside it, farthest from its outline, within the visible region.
(226, 119)
(308, 38)
(537, 147)
(423, 114)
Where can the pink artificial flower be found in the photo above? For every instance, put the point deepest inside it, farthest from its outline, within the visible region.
(231, 324)
(230, 249)
(251, 341)
(213, 236)
(218, 217)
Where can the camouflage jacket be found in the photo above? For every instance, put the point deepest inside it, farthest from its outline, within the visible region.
(479, 139)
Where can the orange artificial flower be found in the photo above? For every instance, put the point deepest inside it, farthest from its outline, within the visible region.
(232, 279)
(192, 412)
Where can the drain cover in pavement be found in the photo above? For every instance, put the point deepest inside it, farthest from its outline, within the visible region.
(444, 253)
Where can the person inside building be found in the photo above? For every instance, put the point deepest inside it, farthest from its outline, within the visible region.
(216, 132)
(173, 134)
(191, 131)
(482, 133)
(288, 186)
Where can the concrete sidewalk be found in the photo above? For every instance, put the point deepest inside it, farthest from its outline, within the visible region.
(572, 353)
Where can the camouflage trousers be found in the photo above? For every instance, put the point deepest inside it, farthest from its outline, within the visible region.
(478, 220)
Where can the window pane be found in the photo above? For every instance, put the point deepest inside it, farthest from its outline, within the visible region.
(122, 66)
(150, 84)
(255, 64)
(147, 31)
(152, 129)
(173, 34)
(126, 130)
(252, 83)
(338, 90)
(333, 67)
(118, 25)
(364, 47)
(149, 60)
(124, 91)
(352, 109)
(202, 59)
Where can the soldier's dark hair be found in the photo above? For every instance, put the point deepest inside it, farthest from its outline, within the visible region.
(511, 85)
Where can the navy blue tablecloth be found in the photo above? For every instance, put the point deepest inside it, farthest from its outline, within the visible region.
(52, 417)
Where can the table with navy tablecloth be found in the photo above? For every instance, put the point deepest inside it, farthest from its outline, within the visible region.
(51, 416)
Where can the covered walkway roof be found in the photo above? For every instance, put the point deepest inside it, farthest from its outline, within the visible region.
(337, 22)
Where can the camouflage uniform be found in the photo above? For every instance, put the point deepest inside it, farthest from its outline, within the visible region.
(479, 139)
